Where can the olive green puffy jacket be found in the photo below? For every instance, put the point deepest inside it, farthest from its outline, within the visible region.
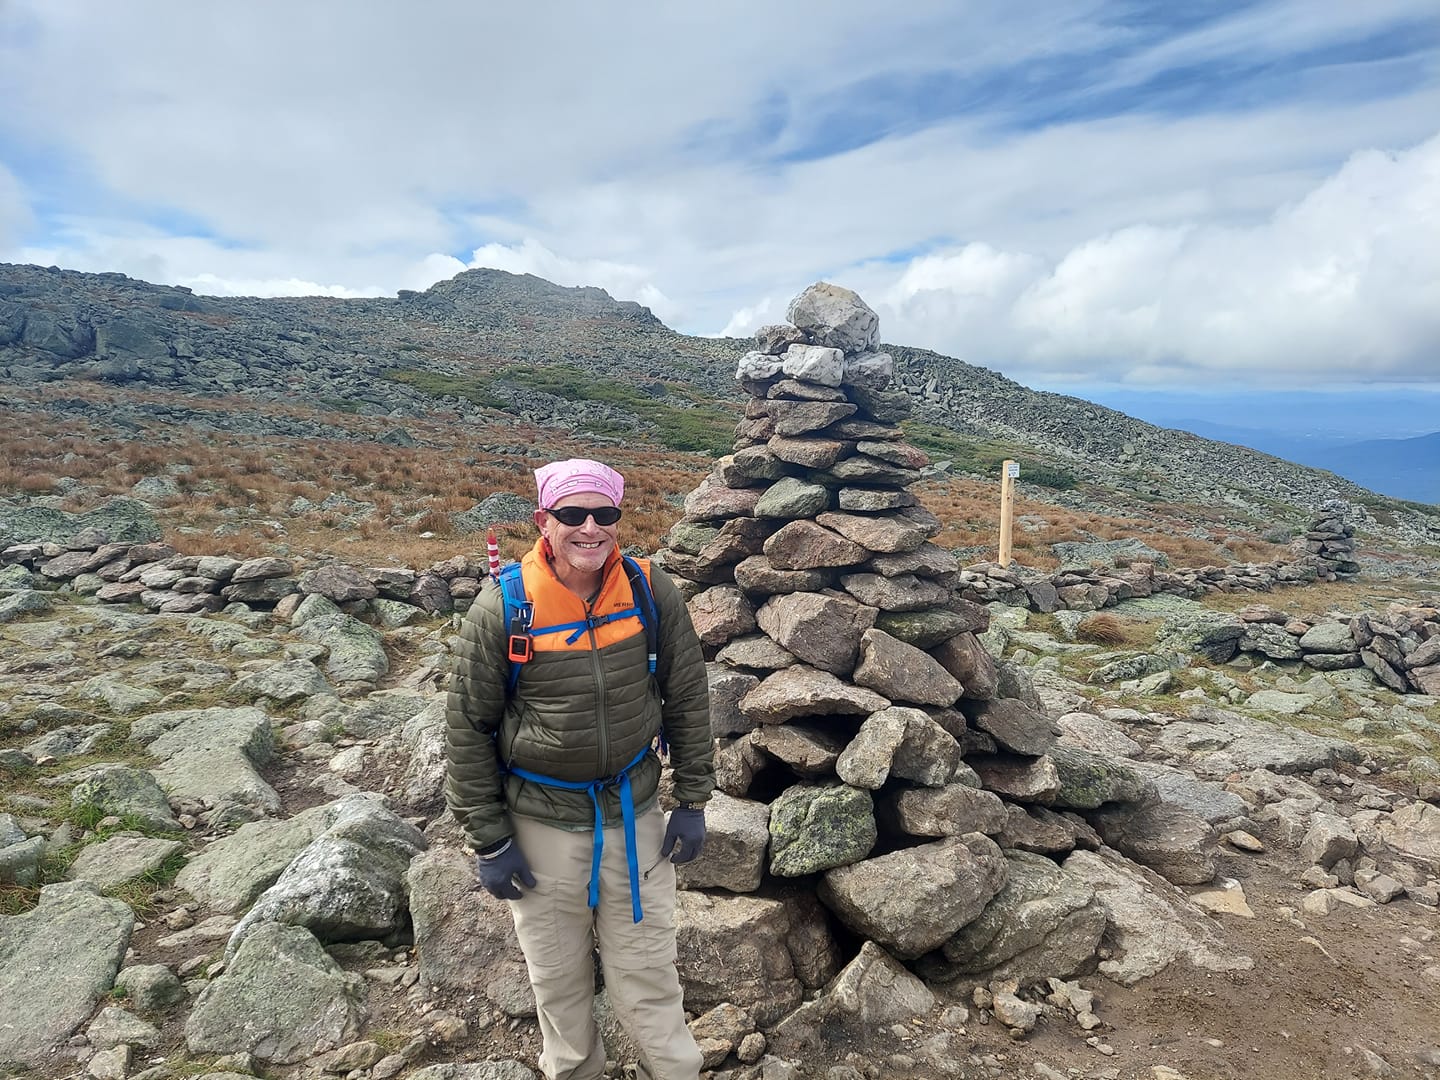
(578, 713)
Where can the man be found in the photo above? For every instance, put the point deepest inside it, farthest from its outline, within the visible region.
(555, 780)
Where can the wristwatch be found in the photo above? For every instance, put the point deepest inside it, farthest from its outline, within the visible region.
(690, 806)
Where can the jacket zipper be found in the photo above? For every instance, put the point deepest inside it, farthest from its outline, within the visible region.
(602, 716)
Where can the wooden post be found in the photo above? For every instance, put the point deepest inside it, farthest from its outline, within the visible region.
(1009, 470)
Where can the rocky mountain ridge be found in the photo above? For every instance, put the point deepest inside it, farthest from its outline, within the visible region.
(475, 343)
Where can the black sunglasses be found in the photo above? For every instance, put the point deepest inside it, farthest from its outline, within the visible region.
(576, 515)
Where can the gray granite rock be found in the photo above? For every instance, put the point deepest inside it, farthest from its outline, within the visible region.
(1045, 923)
(947, 884)
(281, 998)
(59, 959)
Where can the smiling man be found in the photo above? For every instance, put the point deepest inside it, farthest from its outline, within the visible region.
(564, 678)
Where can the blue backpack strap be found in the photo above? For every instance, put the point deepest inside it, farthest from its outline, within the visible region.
(645, 601)
(519, 612)
(650, 619)
(579, 626)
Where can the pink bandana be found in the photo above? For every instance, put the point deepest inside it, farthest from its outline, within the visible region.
(561, 478)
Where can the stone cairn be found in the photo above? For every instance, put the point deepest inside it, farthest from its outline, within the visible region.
(870, 751)
(1330, 541)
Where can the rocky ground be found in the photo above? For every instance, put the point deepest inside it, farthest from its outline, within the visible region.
(1313, 952)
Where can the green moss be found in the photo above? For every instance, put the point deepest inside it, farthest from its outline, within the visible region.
(440, 385)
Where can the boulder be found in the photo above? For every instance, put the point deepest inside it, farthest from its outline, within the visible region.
(1045, 923)
(1019, 778)
(349, 882)
(902, 672)
(733, 949)
(965, 658)
(212, 756)
(836, 317)
(1089, 780)
(280, 998)
(122, 859)
(824, 631)
(816, 827)
(872, 993)
(231, 872)
(737, 836)
(808, 752)
(1151, 923)
(123, 790)
(900, 742)
(339, 584)
(1167, 838)
(1413, 834)
(790, 498)
(800, 691)
(1015, 725)
(461, 930)
(898, 592)
(951, 810)
(355, 652)
(804, 545)
(947, 884)
(720, 614)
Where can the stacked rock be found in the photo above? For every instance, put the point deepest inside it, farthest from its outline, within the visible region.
(859, 720)
(1331, 541)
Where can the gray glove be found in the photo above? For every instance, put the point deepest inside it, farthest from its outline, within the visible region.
(498, 871)
(685, 834)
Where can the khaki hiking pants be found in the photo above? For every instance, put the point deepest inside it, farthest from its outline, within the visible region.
(557, 931)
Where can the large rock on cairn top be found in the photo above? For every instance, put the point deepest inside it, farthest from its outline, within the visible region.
(845, 697)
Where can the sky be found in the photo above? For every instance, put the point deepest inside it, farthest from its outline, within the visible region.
(1090, 193)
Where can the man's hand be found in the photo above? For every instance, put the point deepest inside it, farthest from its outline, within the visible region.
(685, 834)
(499, 871)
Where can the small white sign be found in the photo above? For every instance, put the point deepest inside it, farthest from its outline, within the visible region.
(1012, 469)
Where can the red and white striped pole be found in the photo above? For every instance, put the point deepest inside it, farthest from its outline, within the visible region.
(492, 549)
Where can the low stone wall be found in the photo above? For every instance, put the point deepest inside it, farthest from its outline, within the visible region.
(156, 576)
(1401, 645)
(1091, 590)
(1326, 552)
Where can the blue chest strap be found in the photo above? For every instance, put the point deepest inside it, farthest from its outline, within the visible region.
(520, 615)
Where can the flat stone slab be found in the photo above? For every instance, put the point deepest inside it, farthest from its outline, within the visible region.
(121, 859)
(56, 962)
(211, 755)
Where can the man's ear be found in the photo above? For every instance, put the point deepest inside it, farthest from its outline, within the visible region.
(539, 517)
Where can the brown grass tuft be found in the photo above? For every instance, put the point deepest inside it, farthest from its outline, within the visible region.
(1101, 629)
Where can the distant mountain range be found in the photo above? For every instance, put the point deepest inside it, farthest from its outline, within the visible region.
(1382, 440)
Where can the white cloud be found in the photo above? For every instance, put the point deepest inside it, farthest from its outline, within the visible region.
(745, 321)
(1341, 284)
(688, 157)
